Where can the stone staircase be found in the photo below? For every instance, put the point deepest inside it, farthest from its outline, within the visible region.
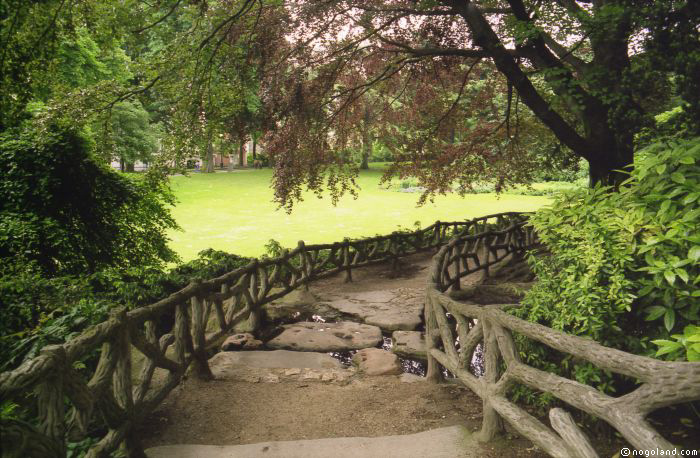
(310, 338)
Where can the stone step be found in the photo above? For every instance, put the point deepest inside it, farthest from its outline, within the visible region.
(449, 442)
(277, 366)
(409, 344)
(326, 337)
(283, 359)
(391, 310)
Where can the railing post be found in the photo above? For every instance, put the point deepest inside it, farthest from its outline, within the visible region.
(487, 247)
(305, 270)
(198, 327)
(433, 374)
(456, 286)
(347, 261)
(492, 423)
(254, 316)
(436, 235)
(180, 332)
(122, 371)
(51, 407)
(219, 308)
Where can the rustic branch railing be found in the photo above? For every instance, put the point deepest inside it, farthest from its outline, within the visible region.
(662, 383)
(68, 404)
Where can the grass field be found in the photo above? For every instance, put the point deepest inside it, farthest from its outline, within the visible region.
(234, 212)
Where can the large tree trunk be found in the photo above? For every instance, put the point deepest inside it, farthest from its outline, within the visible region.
(607, 148)
(366, 139)
(255, 144)
(129, 166)
(607, 167)
(611, 151)
(612, 139)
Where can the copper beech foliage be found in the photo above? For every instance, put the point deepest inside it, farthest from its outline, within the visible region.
(343, 77)
(444, 85)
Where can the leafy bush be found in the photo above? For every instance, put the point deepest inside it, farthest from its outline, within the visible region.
(624, 265)
(264, 160)
(380, 153)
(672, 124)
(39, 310)
(688, 343)
(68, 214)
(561, 166)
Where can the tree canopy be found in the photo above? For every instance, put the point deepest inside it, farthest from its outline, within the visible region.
(462, 91)
(593, 73)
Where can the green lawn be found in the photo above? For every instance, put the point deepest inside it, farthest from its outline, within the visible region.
(234, 212)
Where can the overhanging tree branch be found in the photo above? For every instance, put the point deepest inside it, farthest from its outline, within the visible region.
(429, 52)
(486, 38)
(164, 17)
(566, 55)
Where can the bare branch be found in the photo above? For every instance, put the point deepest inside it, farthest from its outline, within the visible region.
(485, 37)
(172, 10)
(574, 8)
(566, 55)
(407, 11)
(131, 93)
(243, 9)
(428, 52)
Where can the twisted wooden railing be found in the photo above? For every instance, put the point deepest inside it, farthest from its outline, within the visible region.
(69, 403)
(451, 343)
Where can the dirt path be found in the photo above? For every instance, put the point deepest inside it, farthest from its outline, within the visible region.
(228, 412)
(231, 413)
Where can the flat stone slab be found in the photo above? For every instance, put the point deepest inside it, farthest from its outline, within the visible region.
(409, 344)
(411, 378)
(275, 359)
(325, 337)
(450, 442)
(279, 366)
(391, 310)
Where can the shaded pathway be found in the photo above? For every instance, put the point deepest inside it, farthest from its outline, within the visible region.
(249, 405)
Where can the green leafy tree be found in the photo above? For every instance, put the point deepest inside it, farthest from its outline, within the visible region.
(127, 134)
(67, 213)
(80, 62)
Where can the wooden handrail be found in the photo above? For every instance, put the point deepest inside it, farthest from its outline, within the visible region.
(111, 392)
(662, 383)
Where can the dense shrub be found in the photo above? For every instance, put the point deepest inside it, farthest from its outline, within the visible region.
(623, 266)
(66, 220)
(39, 310)
(264, 160)
(68, 214)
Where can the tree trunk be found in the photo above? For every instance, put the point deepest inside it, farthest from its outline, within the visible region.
(129, 166)
(255, 144)
(366, 139)
(607, 169)
(209, 167)
(612, 150)
(241, 154)
(607, 148)
(122, 164)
